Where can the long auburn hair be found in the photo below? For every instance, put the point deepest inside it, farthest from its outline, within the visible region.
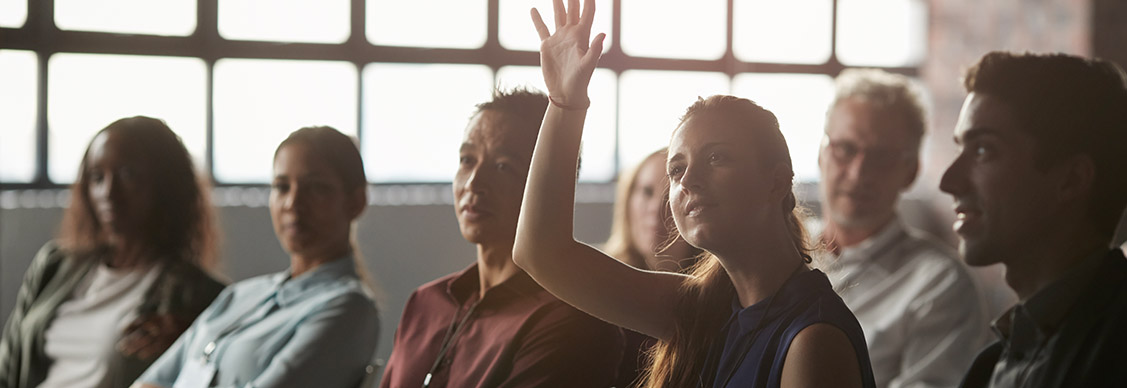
(179, 225)
(704, 302)
(621, 244)
(341, 152)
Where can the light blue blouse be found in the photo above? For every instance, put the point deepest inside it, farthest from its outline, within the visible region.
(316, 330)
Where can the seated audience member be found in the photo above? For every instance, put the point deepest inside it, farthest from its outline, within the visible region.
(313, 325)
(491, 325)
(1039, 185)
(751, 312)
(640, 236)
(924, 317)
(128, 272)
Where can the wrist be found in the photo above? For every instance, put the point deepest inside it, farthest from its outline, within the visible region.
(570, 105)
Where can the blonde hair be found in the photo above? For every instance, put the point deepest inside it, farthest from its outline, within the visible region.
(621, 245)
(705, 298)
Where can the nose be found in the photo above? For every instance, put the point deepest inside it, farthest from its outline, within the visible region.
(478, 180)
(294, 198)
(692, 180)
(954, 180)
(861, 168)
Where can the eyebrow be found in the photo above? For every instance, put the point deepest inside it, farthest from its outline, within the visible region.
(466, 146)
(978, 132)
(678, 156)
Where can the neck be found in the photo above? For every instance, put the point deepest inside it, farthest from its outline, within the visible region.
(1042, 264)
(759, 271)
(840, 236)
(301, 263)
(495, 265)
(124, 255)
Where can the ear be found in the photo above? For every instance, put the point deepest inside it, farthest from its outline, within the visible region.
(356, 202)
(1076, 176)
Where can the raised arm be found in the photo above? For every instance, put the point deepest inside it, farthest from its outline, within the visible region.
(545, 246)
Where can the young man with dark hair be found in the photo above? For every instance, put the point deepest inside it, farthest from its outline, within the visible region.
(491, 325)
(1039, 185)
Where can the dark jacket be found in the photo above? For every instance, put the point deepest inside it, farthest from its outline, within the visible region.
(1091, 350)
(180, 289)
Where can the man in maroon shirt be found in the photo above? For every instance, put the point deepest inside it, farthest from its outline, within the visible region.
(491, 325)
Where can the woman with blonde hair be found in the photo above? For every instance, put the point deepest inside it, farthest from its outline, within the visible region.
(750, 313)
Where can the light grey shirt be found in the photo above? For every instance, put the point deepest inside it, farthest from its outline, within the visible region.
(923, 315)
(316, 330)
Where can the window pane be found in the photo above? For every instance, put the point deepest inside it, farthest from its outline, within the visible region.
(651, 106)
(427, 23)
(673, 29)
(258, 102)
(312, 21)
(165, 17)
(799, 101)
(86, 92)
(414, 118)
(20, 79)
(517, 33)
(881, 33)
(13, 13)
(796, 31)
(598, 131)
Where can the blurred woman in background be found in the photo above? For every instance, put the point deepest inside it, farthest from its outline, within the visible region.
(643, 236)
(128, 272)
(313, 325)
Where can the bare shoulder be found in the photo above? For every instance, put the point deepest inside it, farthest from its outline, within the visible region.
(821, 356)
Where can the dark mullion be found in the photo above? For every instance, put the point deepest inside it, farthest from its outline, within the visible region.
(41, 25)
(731, 67)
(207, 34)
(833, 64)
(616, 49)
(357, 40)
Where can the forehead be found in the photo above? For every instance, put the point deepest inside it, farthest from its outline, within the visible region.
(862, 122)
(699, 132)
(492, 132)
(985, 113)
(299, 159)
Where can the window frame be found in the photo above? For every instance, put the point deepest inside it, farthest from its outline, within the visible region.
(40, 35)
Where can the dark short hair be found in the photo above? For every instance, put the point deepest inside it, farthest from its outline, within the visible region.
(525, 107)
(1070, 106)
(338, 149)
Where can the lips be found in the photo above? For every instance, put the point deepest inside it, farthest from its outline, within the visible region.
(697, 206)
(475, 212)
(966, 215)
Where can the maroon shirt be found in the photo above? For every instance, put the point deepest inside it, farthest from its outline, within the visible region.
(518, 336)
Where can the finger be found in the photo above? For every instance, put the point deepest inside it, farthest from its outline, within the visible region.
(588, 13)
(573, 12)
(561, 13)
(538, 22)
(596, 50)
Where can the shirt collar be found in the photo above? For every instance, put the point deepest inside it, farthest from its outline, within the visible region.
(290, 291)
(1048, 307)
(466, 286)
(872, 247)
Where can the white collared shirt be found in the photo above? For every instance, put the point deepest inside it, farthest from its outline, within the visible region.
(923, 315)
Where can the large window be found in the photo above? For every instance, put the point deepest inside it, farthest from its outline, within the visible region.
(233, 77)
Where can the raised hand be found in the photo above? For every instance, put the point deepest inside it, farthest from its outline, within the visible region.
(566, 58)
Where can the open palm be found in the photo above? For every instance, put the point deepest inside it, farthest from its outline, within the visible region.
(566, 58)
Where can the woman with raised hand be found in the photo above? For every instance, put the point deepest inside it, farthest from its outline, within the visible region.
(313, 325)
(128, 272)
(750, 313)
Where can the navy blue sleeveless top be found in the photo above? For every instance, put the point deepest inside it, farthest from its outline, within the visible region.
(756, 338)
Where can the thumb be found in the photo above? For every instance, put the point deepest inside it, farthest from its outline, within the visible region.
(596, 50)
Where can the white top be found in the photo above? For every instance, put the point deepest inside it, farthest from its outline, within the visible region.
(923, 315)
(82, 338)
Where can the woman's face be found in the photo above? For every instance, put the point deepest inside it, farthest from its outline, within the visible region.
(647, 224)
(309, 205)
(720, 192)
(118, 187)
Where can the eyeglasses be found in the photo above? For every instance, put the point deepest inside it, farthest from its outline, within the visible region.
(845, 151)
